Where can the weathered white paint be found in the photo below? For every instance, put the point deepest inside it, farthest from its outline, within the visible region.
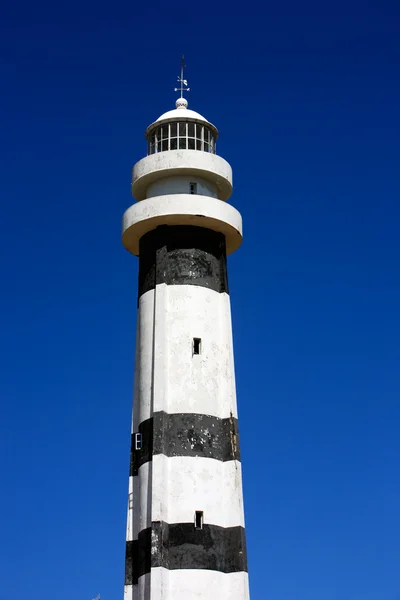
(131, 592)
(172, 489)
(205, 484)
(181, 209)
(169, 377)
(144, 362)
(142, 497)
(210, 585)
(190, 584)
(181, 185)
(157, 166)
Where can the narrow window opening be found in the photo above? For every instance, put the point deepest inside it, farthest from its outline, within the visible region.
(198, 519)
(193, 188)
(196, 345)
(138, 441)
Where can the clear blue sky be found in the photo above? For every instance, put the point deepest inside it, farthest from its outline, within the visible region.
(306, 97)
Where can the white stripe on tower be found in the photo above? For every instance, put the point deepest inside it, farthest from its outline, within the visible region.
(185, 533)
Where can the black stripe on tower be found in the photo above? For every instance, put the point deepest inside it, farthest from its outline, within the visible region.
(182, 546)
(182, 255)
(186, 434)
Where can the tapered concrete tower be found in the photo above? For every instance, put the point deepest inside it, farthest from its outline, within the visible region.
(185, 533)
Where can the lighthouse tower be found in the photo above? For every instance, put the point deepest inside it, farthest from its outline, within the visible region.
(185, 531)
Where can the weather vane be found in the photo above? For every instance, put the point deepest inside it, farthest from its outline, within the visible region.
(183, 87)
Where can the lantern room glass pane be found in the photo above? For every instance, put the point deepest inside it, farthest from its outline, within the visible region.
(182, 135)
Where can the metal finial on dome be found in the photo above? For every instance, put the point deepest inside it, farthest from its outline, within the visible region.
(184, 84)
(181, 103)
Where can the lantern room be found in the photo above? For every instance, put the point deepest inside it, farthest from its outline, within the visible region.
(181, 129)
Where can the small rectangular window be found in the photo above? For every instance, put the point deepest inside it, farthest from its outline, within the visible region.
(191, 130)
(173, 129)
(196, 345)
(138, 441)
(193, 188)
(198, 519)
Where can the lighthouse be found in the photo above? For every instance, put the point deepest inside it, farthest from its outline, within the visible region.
(185, 531)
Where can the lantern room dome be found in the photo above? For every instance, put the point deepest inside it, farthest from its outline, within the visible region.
(179, 113)
(181, 129)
